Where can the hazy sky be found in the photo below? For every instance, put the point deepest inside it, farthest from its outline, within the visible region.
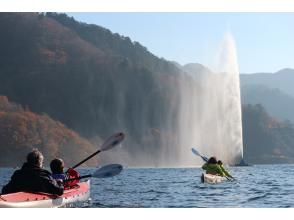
(264, 41)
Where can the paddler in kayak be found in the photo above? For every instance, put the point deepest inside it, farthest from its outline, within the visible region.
(212, 167)
(57, 169)
(33, 178)
(57, 166)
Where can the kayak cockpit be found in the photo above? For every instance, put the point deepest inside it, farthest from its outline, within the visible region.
(79, 193)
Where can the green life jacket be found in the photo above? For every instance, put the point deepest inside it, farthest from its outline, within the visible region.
(214, 169)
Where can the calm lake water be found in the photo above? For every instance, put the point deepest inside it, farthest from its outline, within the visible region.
(256, 186)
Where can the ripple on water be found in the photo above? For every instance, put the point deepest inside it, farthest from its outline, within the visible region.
(258, 186)
(257, 197)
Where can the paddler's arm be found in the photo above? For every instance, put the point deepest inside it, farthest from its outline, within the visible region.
(220, 170)
(225, 172)
(53, 187)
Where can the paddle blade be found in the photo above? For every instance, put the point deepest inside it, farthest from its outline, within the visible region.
(198, 154)
(108, 171)
(112, 141)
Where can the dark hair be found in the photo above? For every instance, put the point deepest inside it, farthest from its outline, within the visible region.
(219, 162)
(35, 157)
(57, 166)
(212, 160)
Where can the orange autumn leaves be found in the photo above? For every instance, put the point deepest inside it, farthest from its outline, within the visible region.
(22, 130)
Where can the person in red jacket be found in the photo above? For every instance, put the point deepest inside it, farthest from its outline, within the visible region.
(33, 178)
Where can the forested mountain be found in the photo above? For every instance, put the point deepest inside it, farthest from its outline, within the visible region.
(274, 91)
(21, 130)
(282, 80)
(93, 81)
(276, 102)
(74, 71)
(266, 139)
(96, 83)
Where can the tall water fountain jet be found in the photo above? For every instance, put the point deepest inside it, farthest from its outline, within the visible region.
(231, 148)
(210, 110)
(169, 112)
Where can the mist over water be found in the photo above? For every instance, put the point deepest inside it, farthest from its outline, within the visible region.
(202, 110)
(210, 110)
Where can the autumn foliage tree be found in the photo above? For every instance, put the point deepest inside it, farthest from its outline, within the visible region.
(22, 130)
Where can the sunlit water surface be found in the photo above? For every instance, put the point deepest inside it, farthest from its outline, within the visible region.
(256, 186)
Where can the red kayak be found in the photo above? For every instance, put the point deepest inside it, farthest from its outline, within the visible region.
(78, 193)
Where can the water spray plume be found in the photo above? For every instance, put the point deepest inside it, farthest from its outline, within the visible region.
(210, 110)
(199, 108)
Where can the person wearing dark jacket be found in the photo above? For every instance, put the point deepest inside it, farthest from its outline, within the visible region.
(32, 178)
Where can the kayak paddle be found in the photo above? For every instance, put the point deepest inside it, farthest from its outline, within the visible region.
(198, 154)
(110, 142)
(103, 172)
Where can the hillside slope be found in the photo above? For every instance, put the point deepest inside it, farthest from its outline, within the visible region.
(21, 130)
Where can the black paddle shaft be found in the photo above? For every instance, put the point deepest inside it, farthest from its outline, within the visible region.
(83, 161)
